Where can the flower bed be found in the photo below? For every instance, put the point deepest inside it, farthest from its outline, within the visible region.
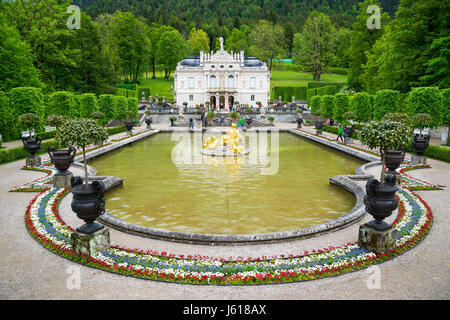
(45, 225)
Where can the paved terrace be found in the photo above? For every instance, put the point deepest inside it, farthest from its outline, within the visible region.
(29, 271)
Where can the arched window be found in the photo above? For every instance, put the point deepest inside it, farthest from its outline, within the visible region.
(212, 82)
(230, 82)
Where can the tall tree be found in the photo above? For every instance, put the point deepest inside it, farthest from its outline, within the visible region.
(266, 39)
(198, 41)
(133, 45)
(317, 44)
(171, 49)
(362, 39)
(16, 60)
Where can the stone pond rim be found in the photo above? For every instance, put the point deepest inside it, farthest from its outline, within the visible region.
(344, 181)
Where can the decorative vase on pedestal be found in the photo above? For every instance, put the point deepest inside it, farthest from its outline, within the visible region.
(62, 159)
(88, 203)
(32, 144)
(419, 145)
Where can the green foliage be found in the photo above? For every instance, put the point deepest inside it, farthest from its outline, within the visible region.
(386, 101)
(446, 106)
(7, 123)
(349, 116)
(133, 106)
(386, 135)
(315, 104)
(421, 121)
(56, 120)
(210, 114)
(341, 105)
(326, 90)
(88, 104)
(81, 133)
(311, 93)
(139, 91)
(171, 48)
(265, 39)
(198, 40)
(234, 115)
(316, 44)
(26, 100)
(62, 102)
(327, 105)
(30, 120)
(438, 153)
(121, 107)
(361, 105)
(287, 93)
(16, 59)
(107, 105)
(425, 100)
(397, 117)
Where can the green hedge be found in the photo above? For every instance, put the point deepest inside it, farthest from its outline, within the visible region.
(435, 152)
(64, 103)
(127, 86)
(287, 93)
(139, 91)
(386, 101)
(311, 93)
(133, 105)
(312, 85)
(425, 100)
(341, 105)
(361, 105)
(326, 90)
(122, 106)
(115, 130)
(88, 104)
(327, 106)
(26, 100)
(107, 105)
(7, 122)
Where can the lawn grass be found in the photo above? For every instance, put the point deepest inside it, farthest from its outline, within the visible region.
(161, 86)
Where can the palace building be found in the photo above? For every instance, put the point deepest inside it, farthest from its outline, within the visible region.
(222, 78)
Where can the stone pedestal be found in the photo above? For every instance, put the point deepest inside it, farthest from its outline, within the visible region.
(88, 244)
(62, 180)
(348, 140)
(415, 159)
(33, 161)
(378, 241)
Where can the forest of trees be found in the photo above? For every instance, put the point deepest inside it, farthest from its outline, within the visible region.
(122, 40)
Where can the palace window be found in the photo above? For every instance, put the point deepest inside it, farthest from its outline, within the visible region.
(252, 83)
(213, 82)
(230, 82)
(252, 97)
(191, 83)
(191, 97)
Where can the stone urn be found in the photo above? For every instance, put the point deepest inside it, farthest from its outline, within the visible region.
(88, 203)
(62, 159)
(380, 201)
(393, 159)
(148, 121)
(248, 120)
(299, 121)
(32, 144)
(420, 143)
(318, 124)
(349, 130)
(129, 125)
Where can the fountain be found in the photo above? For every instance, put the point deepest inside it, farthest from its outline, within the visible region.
(229, 145)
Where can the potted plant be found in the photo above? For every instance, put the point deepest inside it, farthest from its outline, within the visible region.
(148, 120)
(32, 142)
(421, 121)
(392, 138)
(234, 115)
(88, 202)
(211, 115)
(172, 120)
(308, 122)
(271, 119)
(248, 110)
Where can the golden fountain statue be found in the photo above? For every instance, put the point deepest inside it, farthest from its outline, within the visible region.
(229, 144)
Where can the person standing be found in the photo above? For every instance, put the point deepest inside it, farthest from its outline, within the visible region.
(191, 124)
(241, 122)
(340, 131)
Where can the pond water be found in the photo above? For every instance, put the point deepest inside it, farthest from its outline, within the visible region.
(281, 185)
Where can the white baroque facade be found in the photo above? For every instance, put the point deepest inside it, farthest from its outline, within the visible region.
(222, 78)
